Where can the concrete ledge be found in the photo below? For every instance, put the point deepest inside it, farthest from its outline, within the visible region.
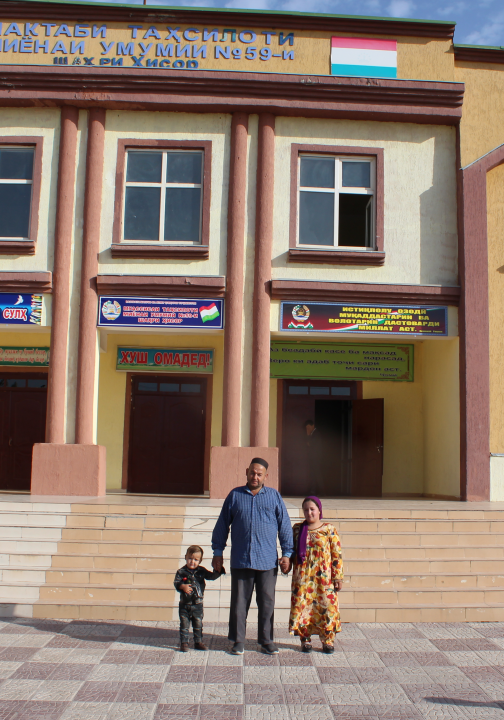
(228, 466)
(68, 470)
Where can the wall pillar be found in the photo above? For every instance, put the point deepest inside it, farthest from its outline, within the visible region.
(234, 282)
(79, 469)
(259, 414)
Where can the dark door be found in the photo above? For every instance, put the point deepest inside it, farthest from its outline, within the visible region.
(23, 400)
(167, 435)
(367, 447)
(332, 422)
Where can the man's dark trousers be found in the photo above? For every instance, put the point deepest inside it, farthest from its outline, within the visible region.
(191, 613)
(242, 587)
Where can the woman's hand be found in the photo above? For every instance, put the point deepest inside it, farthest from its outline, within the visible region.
(285, 565)
(338, 585)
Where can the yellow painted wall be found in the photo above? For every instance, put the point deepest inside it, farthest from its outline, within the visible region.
(441, 413)
(112, 390)
(403, 456)
(481, 129)
(495, 219)
(420, 235)
(34, 337)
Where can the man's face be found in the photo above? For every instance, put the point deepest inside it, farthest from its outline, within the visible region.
(309, 429)
(256, 475)
(192, 561)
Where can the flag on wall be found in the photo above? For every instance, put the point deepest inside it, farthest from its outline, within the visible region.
(363, 57)
(210, 312)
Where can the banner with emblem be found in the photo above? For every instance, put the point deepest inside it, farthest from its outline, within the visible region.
(161, 312)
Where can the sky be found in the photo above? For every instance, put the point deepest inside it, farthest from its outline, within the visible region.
(479, 22)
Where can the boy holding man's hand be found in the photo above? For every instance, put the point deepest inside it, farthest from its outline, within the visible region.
(190, 583)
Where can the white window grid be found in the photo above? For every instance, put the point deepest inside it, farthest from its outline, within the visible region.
(164, 185)
(6, 181)
(339, 189)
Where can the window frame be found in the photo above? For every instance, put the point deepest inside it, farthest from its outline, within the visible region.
(158, 248)
(339, 255)
(26, 246)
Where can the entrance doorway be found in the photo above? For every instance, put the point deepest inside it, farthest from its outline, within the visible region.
(167, 435)
(344, 454)
(23, 400)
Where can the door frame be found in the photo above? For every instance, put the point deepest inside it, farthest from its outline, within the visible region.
(128, 398)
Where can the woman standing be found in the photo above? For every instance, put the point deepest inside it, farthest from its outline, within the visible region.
(316, 580)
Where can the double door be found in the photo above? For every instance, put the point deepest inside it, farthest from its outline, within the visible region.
(167, 435)
(23, 400)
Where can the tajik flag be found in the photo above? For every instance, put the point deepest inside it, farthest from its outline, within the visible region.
(209, 312)
(363, 57)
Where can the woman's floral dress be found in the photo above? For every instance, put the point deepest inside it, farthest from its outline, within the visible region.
(314, 603)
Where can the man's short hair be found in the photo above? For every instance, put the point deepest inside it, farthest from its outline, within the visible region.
(309, 422)
(259, 461)
(194, 550)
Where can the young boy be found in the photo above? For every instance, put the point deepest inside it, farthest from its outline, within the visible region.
(190, 583)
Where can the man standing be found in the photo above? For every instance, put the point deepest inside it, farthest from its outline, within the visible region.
(256, 515)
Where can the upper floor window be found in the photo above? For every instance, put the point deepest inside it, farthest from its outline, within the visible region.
(336, 201)
(163, 196)
(16, 181)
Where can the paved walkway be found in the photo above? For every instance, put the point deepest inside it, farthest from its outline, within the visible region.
(63, 670)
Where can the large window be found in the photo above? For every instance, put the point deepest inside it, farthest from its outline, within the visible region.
(16, 180)
(163, 196)
(336, 201)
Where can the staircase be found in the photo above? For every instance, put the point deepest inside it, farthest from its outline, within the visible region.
(404, 562)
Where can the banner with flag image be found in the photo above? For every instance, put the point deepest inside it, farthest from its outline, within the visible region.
(209, 312)
(363, 57)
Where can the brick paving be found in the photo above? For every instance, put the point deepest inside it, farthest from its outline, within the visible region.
(71, 670)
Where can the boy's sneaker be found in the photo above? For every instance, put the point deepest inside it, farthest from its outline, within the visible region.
(270, 649)
(238, 649)
(200, 646)
(184, 647)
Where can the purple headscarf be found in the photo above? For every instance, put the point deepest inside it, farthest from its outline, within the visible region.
(303, 535)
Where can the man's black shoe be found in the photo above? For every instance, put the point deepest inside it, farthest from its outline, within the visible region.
(270, 649)
(238, 649)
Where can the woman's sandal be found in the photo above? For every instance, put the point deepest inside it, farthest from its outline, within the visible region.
(328, 649)
(306, 646)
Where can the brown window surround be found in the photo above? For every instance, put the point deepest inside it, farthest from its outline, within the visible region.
(26, 247)
(334, 256)
(153, 249)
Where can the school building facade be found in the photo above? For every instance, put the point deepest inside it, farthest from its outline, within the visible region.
(215, 225)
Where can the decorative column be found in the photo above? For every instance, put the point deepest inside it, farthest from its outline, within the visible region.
(259, 414)
(234, 281)
(56, 394)
(86, 360)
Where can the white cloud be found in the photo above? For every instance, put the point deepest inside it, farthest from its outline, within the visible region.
(451, 11)
(401, 8)
(490, 34)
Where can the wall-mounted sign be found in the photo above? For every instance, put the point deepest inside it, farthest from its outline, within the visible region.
(25, 356)
(363, 319)
(160, 312)
(22, 309)
(165, 359)
(341, 361)
(363, 57)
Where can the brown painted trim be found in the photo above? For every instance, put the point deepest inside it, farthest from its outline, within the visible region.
(175, 251)
(364, 292)
(359, 394)
(369, 258)
(128, 399)
(279, 432)
(86, 357)
(241, 19)
(161, 285)
(27, 247)
(474, 326)
(478, 54)
(35, 282)
(67, 163)
(259, 411)
(180, 252)
(213, 91)
(234, 276)
(345, 257)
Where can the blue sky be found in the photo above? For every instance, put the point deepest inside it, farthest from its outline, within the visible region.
(479, 22)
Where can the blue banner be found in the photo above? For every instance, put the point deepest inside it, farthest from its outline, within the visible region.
(18, 309)
(161, 312)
